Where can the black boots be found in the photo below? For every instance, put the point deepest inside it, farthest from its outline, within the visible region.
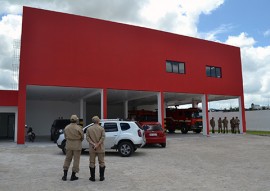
(92, 173)
(101, 173)
(64, 178)
(73, 177)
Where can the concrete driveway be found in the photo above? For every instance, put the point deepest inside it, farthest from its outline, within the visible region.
(189, 162)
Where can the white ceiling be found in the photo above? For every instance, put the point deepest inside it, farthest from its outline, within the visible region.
(92, 96)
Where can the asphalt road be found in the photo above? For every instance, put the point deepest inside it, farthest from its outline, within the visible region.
(189, 162)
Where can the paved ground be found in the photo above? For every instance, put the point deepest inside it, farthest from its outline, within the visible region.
(189, 162)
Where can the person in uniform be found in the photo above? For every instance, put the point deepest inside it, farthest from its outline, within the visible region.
(219, 125)
(225, 125)
(232, 124)
(237, 123)
(74, 137)
(212, 123)
(95, 135)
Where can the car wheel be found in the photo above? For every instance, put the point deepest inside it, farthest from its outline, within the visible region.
(163, 145)
(197, 131)
(125, 149)
(63, 146)
(184, 129)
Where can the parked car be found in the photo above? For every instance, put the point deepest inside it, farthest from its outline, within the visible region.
(123, 136)
(60, 124)
(154, 133)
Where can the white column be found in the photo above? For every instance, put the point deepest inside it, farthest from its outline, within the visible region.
(240, 115)
(205, 115)
(83, 111)
(159, 107)
(126, 109)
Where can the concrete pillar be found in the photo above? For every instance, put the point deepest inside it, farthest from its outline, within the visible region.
(160, 98)
(83, 111)
(205, 115)
(125, 109)
(103, 104)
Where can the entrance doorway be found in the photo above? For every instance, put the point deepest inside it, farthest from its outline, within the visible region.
(7, 125)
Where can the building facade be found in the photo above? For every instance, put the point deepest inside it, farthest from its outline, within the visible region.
(115, 65)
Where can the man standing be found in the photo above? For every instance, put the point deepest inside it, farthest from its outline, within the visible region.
(225, 125)
(212, 123)
(232, 124)
(95, 135)
(237, 123)
(219, 125)
(74, 137)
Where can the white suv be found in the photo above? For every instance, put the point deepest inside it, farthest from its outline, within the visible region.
(124, 136)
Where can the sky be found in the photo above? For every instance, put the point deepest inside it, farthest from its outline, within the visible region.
(241, 23)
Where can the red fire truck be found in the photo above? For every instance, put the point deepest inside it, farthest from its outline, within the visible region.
(176, 119)
(183, 119)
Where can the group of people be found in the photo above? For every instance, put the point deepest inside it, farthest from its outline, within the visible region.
(223, 125)
(74, 136)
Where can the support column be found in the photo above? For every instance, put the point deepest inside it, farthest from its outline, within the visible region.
(160, 98)
(83, 111)
(242, 116)
(125, 109)
(205, 115)
(21, 114)
(104, 103)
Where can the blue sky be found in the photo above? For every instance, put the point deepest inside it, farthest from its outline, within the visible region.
(241, 23)
(250, 16)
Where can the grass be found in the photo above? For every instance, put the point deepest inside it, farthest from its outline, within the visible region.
(263, 133)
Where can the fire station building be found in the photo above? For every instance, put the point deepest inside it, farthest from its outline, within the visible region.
(77, 65)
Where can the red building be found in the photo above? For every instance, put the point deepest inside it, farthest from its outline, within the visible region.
(90, 66)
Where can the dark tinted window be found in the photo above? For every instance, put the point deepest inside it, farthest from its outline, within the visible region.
(175, 67)
(124, 126)
(152, 128)
(212, 71)
(61, 123)
(110, 127)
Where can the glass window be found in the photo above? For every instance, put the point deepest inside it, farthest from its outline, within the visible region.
(124, 126)
(175, 67)
(212, 71)
(110, 127)
(168, 67)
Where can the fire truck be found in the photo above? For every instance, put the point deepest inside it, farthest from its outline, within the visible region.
(176, 119)
(184, 120)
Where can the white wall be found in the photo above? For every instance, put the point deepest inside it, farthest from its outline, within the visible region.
(255, 120)
(41, 114)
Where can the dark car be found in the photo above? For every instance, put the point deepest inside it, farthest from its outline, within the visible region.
(56, 126)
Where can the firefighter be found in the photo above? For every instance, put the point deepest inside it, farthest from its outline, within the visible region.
(95, 135)
(225, 125)
(237, 123)
(219, 125)
(74, 137)
(232, 124)
(212, 123)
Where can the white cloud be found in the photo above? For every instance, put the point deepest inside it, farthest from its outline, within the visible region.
(256, 68)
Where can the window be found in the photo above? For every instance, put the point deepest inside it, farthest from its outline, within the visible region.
(175, 67)
(212, 71)
(110, 127)
(124, 126)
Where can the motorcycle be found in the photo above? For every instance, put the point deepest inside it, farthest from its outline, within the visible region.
(31, 135)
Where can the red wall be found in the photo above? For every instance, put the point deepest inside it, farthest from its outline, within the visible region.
(8, 98)
(67, 50)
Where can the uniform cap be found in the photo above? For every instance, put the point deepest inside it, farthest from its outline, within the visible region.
(74, 118)
(95, 119)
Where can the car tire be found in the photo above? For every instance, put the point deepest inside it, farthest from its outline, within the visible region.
(163, 145)
(63, 146)
(184, 129)
(197, 131)
(125, 149)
